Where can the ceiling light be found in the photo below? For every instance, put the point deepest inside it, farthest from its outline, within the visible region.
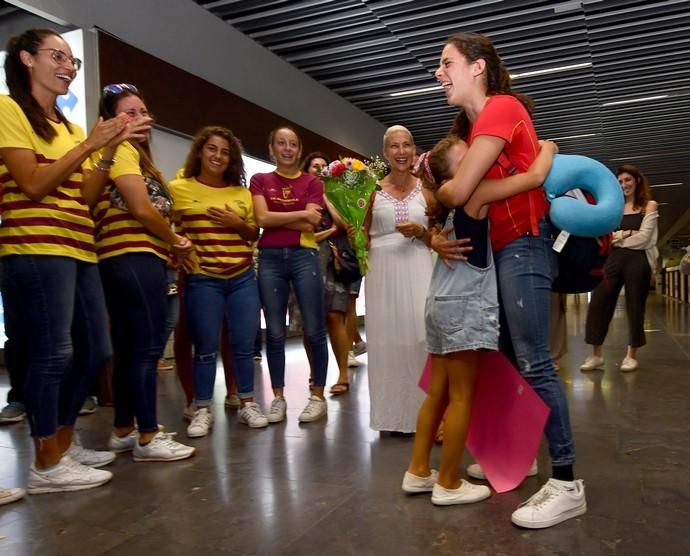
(573, 136)
(512, 76)
(666, 184)
(664, 153)
(416, 91)
(641, 99)
(550, 70)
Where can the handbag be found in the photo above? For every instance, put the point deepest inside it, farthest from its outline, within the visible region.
(345, 262)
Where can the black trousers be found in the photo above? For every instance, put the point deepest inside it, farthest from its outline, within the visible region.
(624, 267)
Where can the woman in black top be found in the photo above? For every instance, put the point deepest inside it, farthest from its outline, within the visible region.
(631, 263)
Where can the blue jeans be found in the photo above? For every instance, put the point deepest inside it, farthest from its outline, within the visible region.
(278, 266)
(173, 312)
(207, 301)
(135, 289)
(55, 308)
(525, 269)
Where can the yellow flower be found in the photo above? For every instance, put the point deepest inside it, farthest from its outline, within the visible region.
(357, 165)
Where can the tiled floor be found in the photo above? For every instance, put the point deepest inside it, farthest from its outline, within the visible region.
(333, 487)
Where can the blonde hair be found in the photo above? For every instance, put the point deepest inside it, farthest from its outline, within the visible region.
(394, 129)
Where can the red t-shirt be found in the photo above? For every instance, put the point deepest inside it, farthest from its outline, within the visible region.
(284, 194)
(506, 117)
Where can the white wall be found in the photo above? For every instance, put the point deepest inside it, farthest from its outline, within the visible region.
(186, 35)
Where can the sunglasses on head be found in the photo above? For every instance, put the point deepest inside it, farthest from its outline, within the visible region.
(117, 88)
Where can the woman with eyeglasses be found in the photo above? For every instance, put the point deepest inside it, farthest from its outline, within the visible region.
(134, 239)
(288, 205)
(55, 312)
(215, 210)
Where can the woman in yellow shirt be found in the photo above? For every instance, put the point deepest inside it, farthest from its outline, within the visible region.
(215, 211)
(54, 307)
(133, 241)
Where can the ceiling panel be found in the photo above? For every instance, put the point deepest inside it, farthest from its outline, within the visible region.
(364, 50)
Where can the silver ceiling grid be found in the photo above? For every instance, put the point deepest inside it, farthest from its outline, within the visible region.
(623, 50)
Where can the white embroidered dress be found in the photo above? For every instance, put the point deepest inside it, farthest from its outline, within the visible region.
(395, 291)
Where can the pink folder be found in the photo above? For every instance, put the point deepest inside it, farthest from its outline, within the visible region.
(507, 424)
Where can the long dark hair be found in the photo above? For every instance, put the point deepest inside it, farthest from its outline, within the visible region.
(474, 46)
(107, 108)
(19, 81)
(642, 192)
(234, 173)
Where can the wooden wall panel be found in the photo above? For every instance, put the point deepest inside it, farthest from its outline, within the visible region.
(185, 103)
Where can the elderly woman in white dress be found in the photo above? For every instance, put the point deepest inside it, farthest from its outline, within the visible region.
(395, 289)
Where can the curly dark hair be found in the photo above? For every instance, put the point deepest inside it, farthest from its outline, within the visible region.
(19, 81)
(474, 46)
(642, 192)
(234, 174)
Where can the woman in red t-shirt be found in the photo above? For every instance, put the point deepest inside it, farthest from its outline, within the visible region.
(496, 123)
(288, 205)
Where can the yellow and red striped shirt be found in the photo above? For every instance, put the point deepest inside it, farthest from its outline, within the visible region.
(60, 223)
(117, 231)
(220, 252)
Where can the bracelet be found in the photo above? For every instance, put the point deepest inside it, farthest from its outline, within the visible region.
(104, 164)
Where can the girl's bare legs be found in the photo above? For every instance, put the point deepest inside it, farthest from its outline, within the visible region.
(429, 417)
(340, 343)
(462, 372)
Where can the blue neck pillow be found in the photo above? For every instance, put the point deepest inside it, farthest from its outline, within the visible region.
(576, 216)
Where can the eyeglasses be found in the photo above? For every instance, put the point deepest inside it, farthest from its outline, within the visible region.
(60, 57)
(117, 88)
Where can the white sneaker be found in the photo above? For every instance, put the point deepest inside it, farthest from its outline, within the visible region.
(352, 360)
(276, 412)
(413, 484)
(315, 409)
(89, 407)
(201, 423)
(121, 444)
(233, 401)
(13, 412)
(67, 475)
(162, 448)
(629, 364)
(556, 501)
(8, 495)
(92, 458)
(466, 493)
(360, 348)
(188, 412)
(592, 362)
(476, 472)
(251, 415)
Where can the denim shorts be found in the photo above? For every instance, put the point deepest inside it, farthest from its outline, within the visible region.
(461, 310)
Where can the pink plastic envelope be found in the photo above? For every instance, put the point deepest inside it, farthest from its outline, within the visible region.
(507, 424)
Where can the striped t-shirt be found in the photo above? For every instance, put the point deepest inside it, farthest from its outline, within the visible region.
(220, 252)
(60, 223)
(117, 231)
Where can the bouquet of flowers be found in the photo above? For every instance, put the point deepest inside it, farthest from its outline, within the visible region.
(349, 184)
